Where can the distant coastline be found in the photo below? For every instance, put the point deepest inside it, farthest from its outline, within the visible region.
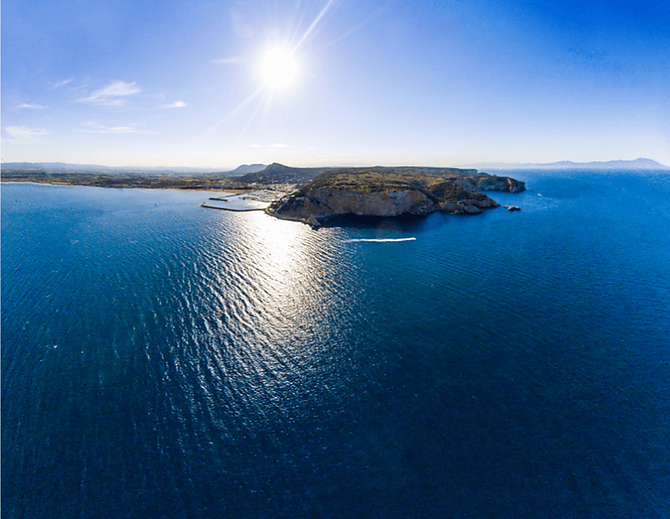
(277, 177)
(122, 180)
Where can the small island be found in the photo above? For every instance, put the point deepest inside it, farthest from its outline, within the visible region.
(391, 192)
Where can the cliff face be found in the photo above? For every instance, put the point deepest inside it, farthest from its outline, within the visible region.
(320, 202)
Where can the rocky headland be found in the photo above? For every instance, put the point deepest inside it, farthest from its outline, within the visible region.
(391, 192)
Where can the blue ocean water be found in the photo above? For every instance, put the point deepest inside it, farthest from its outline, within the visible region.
(162, 360)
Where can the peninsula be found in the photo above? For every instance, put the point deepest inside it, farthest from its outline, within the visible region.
(391, 192)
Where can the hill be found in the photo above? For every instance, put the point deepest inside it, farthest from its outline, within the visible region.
(247, 168)
(280, 174)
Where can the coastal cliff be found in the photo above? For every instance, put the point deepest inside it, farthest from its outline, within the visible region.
(390, 193)
(489, 183)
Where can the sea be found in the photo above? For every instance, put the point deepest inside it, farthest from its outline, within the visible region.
(164, 360)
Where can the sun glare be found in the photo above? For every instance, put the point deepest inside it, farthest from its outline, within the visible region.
(278, 68)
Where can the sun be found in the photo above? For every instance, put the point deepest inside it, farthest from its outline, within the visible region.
(278, 68)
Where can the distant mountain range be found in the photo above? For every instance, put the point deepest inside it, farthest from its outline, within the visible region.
(646, 164)
(61, 167)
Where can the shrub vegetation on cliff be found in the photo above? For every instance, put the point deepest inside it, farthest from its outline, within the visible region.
(387, 180)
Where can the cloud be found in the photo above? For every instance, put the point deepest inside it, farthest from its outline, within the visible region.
(83, 85)
(227, 61)
(117, 130)
(112, 95)
(59, 84)
(28, 105)
(21, 133)
(176, 104)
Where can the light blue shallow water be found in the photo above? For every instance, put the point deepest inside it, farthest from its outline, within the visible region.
(164, 360)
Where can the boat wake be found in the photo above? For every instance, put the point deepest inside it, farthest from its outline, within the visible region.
(378, 240)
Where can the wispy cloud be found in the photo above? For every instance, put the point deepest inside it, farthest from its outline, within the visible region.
(116, 130)
(114, 94)
(21, 133)
(29, 105)
(176, 104)
(59, 84)
(83, 85)
(277, 145)
(227, 61)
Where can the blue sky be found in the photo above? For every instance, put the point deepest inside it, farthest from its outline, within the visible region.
(179, 83)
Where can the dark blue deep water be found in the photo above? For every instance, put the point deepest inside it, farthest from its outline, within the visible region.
(162, 360)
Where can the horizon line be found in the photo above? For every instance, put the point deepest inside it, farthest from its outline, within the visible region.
(472, 165)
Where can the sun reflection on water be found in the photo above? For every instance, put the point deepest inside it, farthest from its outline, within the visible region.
(293, 273)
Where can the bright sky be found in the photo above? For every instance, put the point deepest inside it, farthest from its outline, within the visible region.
(213, 83)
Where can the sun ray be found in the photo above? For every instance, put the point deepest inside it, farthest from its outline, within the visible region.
(314, 24)
(262, 102)
(238, 108)
(278, 69)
